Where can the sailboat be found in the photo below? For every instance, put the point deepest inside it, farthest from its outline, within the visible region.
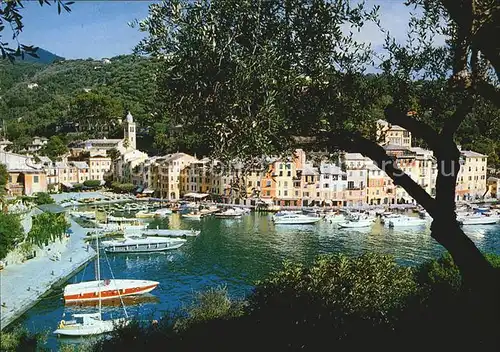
(91, 323)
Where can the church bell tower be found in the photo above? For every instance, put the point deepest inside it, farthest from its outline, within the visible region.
(130, 131)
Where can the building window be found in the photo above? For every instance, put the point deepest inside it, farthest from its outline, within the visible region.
(285, 184)
(317, 194)
(35, 179)
(281, 173)
(285, 193)
(326, 185)
(268, 183)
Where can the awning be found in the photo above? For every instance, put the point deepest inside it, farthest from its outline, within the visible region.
(67, 185)
(148, 191)
(196, 195)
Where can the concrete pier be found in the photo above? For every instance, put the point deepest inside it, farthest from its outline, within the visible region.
(22, 285)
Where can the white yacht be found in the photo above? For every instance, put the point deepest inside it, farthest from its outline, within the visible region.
(142, 244)
(229, 213)
(295, 219)
(478, 219)
(405, 221)
(357, 223)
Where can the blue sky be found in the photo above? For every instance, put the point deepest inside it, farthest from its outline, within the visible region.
(99, 29)
(93, 28)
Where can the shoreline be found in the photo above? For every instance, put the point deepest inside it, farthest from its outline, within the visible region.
(24, 285)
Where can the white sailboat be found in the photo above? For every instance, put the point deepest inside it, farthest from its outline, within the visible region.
(91, 323)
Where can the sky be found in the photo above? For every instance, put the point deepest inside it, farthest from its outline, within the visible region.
(100, 29)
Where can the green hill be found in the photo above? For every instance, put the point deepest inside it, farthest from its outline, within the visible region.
(35, 98)
(44, 57)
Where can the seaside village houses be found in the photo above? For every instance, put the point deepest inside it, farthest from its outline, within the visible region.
(353, 180)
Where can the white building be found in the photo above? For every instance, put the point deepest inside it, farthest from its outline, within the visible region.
(332, 184)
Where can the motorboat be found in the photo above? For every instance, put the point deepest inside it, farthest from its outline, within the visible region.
(406, 221)
(229, 213)
(163, 233)
(295, 219)
(144, 214)
(88, 324)
(114, 288)
(192, 216)
(358, 223)
(142, 244)
(387, 217)
(478, 220)
(163, 212)
(111, 218)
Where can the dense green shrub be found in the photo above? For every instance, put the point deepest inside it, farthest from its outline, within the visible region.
(209, 305)
(122, 187)
(46, 228)
(19, 339)
(11, 232)
(43, 198)
(92, 183)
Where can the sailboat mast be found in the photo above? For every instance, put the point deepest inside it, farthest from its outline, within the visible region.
(98, 265)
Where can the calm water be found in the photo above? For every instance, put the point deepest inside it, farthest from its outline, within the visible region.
(235, 253)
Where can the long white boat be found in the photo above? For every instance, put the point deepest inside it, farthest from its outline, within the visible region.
(229, 214)
(142, 244)
(163, 212)
(478, 220)
(295, 219)
(111, 218)
(161, 232)
(406, 221)
(121, 227)
(352, 224)
(113, 288)
(192, 216)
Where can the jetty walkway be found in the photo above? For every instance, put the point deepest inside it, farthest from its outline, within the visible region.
(22, 285)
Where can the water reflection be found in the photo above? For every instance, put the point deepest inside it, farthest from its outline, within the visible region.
(236, 253)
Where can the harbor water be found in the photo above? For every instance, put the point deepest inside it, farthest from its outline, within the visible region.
(235, 253)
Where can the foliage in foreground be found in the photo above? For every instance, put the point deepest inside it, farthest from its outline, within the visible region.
(43, 198)
(11, 232)
(19, 339)
(47, 227)
(339, 302)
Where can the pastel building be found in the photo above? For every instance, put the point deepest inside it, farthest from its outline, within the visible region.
(393, 134)
(170, 172)
(332, 184)
(471, 180)
(26, 176)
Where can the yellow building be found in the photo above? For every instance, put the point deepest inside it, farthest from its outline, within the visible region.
(99, 166)
(471, 180)
(170, 173)
(393, 134)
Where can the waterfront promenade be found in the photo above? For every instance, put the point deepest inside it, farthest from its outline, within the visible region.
(22, 285)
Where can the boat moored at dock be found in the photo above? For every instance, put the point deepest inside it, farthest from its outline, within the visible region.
(114, 288)
(142, 244)
(295, 219)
